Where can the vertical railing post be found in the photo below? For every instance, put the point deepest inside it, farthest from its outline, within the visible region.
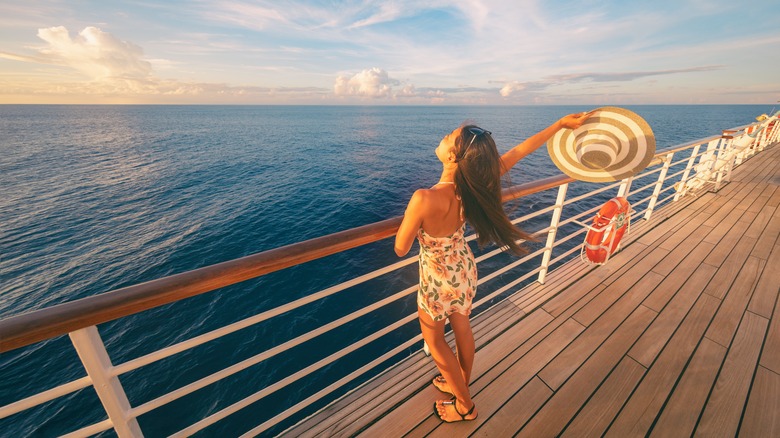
(556, 218)
(94, 356)
(758, 142)
(770, 134)
(741, 156)
(709, 160)
(747, 151)
(684, 180)
(732, 154)
(625, 187)
(764, 141)
(661, 177)
(767, 135)
(751, 149)
(721, 156)
(775, 132)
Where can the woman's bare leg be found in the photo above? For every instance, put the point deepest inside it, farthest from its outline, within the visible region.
(449, 367)
(464, 341)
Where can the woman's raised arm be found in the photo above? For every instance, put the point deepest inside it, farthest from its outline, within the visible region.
(517, 153)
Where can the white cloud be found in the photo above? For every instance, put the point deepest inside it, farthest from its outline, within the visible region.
(516, 88)
(407, 91)
(95, 53)
(113, 67)
(511, 87)
(437, 96)
(388, 11)
(374, 82)
(346, 15)
(245, 14)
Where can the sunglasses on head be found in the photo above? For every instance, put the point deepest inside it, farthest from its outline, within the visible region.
(477, 132)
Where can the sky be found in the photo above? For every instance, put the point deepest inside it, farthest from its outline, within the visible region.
(391, 52)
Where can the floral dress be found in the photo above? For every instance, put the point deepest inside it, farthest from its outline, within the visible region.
(448, 274)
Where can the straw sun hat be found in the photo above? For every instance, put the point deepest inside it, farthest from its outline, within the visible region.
(613, 144)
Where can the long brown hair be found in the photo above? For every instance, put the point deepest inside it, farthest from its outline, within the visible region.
(478, 182)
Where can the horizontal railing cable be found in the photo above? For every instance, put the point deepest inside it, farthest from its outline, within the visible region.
(634, 203)
(240, 366)
(311, 368)
(258, 396)
(206, 337)
(338, 384)
(579, 216)
(641, 189)
(91, 430)
(45, 396)
(591, 193)
(190, 388)
(649, 172)
(567, 253)
(506, 287)
(571, 235)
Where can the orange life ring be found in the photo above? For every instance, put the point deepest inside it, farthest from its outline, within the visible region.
(603, 239)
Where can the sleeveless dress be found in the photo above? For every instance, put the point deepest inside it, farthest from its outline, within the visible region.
(448, 274)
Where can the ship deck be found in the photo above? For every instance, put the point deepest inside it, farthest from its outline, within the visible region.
(678, 334)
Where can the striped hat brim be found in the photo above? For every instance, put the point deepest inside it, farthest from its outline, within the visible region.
(612, 144)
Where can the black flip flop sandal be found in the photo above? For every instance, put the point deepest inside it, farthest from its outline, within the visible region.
(435, 380)
(453, 401)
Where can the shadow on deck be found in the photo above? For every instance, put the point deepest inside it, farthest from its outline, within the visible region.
(679, 333)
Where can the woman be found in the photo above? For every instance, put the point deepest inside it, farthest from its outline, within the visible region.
(469, 189)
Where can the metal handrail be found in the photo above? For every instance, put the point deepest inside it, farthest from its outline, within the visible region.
(73, 317)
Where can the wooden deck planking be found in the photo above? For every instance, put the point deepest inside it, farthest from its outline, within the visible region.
(555, 373)
(558, 304)
(401, 421)
(761, 417)
(770, 357)
(678, 276)
(727, 319)
(517, 410)
(494, 395)
(724, 408)
(658, 334)
(615, 292)
(390, 390)
(682, 411)
(646, 402)
(678, 334)
(596, 415)
(767, 288)
(566, 401)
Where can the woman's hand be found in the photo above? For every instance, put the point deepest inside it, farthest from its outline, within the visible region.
(574, 121)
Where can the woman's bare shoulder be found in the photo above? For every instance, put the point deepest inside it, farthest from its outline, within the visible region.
(430, 200)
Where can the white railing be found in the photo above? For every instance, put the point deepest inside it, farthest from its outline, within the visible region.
(685, 170)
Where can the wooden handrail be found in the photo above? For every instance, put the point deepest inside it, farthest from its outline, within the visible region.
(28, 328)
(38, 325)
(532, 187)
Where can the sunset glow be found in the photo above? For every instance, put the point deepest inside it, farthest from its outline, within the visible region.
(389, 52)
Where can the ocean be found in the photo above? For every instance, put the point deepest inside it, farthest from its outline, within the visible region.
(95, 198)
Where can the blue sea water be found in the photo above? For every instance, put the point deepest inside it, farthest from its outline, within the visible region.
(95, 198)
